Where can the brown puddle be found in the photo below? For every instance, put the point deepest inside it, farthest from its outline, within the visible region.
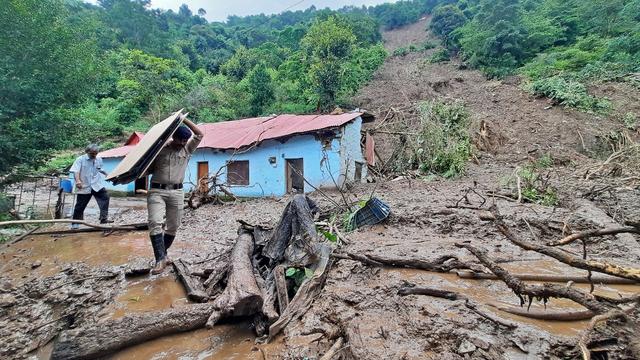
(142, 294)
(53, 253)
(480, 291)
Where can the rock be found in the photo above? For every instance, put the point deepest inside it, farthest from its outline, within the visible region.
(480, 343)
(7, 300)
(36, 264)
(80, 292)
(466, 347)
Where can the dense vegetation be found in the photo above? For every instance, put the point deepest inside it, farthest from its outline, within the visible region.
(559, 45)
(72, 72)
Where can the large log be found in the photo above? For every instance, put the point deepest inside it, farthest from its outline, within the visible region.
(193, 286)
(97, 341)
(241, 296)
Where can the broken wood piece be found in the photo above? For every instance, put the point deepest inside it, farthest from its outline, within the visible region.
(537, 291)
(217, 272)
(306, 294)
(574, 315)
(23, 236)
(467, 274)
(591, 233)
(334, 350)
(98, 340)
(241, 296)
(281, 288)
(69, 221)
(195, 290)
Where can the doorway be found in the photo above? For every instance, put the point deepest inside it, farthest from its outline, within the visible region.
(295, 175)
(203, 176)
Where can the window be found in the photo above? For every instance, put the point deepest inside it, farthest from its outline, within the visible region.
(238, 172)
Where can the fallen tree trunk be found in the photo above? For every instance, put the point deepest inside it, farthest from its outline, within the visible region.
(68, 221)
(241, 296)
(97, 341)
(545, 315)
(444, 263)
(465, 274)
(606, 268)
(537, 291)
(195, 290)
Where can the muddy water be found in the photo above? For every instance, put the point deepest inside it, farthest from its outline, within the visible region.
(147, 293)
(491, 291)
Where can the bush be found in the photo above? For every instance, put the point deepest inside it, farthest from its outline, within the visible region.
(442, 145)
(534, 182)
(569, 93)
(439, 56)
(401, 51)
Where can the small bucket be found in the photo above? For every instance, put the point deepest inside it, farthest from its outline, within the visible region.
(66, 185)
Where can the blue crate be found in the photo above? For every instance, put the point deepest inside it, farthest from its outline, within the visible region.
(373, 212)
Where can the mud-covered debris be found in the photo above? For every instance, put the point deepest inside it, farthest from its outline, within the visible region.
(7, 300)
(36, 264)
(466, 347)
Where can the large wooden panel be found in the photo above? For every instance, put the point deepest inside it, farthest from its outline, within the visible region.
(142, 155)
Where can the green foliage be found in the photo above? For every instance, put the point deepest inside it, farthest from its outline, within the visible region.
(534, 182)
(569, 93)
(260, 89)
(442, 145)
(327, 45)
(439, 56)
(298, 275)
(402, 51)
(57, 165)
(445, 20)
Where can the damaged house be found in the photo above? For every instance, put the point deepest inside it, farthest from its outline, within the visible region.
(270, 156)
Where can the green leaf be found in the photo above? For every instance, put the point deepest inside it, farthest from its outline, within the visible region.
(330, 236)
(291, 271)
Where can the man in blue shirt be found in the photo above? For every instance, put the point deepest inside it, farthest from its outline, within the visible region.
(89, 179)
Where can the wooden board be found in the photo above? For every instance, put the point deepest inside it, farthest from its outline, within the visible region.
(142, 155)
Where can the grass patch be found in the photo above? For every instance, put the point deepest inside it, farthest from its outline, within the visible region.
(439, 56)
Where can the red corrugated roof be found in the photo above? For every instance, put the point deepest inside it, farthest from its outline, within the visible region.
(240, 133)
(116, 152)
(237, 134)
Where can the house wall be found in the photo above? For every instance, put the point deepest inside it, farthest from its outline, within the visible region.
(108, 165)
(324, 162)
(266, 179)
(351, 151)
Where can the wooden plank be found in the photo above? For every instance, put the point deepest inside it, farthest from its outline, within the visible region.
(281, 288)
(142, 155)
(195, 290)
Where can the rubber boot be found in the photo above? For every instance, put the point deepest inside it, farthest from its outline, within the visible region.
(168, 240)
(157, 242)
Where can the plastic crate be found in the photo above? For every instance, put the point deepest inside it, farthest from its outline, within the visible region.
(373, 212)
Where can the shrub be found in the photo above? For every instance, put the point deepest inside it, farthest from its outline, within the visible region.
(401, 51)
(439, 56)
(442, 145)
(569, 93)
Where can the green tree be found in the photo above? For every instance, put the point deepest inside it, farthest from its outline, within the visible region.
(260, 88)
(327, 45)
(445, 20)
(45, 63)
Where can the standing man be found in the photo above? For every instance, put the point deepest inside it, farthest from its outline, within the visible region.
(89, 178)
(166, 196)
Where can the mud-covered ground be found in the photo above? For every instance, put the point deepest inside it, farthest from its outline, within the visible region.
(359, 302)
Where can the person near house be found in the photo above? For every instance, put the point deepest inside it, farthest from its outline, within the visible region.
(89, 182)
(165, 198)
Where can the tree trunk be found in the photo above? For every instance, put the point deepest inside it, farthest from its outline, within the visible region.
(242, 296)
(96, 341)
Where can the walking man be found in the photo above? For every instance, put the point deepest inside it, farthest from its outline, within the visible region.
(166, 197)
(89, 178)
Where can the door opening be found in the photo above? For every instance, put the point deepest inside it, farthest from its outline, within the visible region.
(295, 175)
(203, 176)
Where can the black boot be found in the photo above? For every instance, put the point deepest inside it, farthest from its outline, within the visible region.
(168, 240)
(160, 253)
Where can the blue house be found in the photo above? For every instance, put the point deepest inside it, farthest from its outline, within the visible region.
(271, 156)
